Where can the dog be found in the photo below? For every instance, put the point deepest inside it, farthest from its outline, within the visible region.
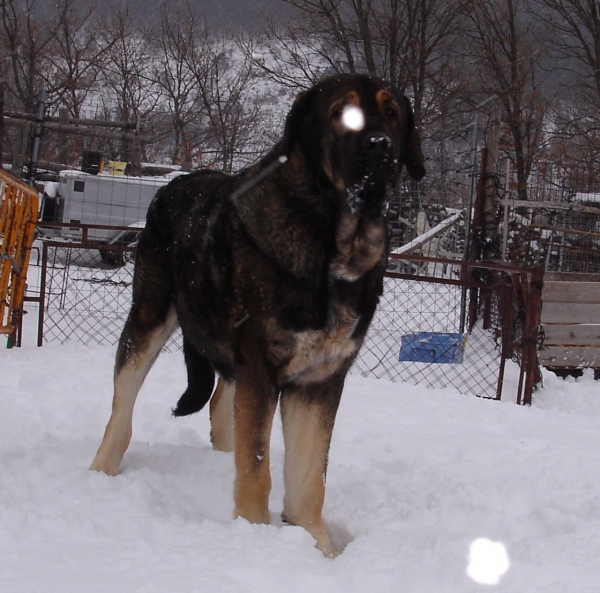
(273, 275)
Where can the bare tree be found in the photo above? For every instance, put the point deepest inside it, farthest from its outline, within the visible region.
(27, 43)
(411, 43)
(576, 38)
(505, 52)
(173, 47)
(127, 87)
(224, 78)
(127, 73)
(78, 56)
(408, 42)
(291, 56)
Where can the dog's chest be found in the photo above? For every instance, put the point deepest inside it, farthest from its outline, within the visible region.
(315, 355)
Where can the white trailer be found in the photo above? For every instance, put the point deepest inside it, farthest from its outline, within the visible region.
(103, 199)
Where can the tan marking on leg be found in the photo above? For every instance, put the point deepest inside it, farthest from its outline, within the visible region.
(127, 383)
(307, 440)
(221, 416)
(253, 419)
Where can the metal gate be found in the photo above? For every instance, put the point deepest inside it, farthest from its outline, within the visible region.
(476, 316)
(18, 215)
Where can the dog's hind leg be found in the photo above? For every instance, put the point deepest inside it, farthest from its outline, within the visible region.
(308, 414)
(201, 380)
(221, 416)
(136, 354)
(254, 407)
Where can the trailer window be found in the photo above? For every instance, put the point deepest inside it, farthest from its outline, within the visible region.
(79, 186)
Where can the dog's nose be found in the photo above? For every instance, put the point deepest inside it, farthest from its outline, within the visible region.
(376, 143)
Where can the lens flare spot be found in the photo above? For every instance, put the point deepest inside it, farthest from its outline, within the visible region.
(488, 561)
(353, 118)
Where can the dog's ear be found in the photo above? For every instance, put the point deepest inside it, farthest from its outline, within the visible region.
(413, 156)
(414, 159)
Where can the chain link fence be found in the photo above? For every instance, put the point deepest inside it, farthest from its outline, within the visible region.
(456, 323)
(439, 323)
(85, 293)
(557, 226)
(417, 337)
(86, 299)
(415, 209)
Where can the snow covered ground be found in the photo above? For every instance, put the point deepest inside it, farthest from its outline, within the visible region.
(416, 476)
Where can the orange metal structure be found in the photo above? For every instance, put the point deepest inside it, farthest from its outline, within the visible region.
(18, 217)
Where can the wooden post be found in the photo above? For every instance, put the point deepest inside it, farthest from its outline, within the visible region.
(186, 164)
(475, 248)
(477, 231)
(38, 130)
(529, 356)
(505, 203)
(125, 148)
(490, 199)
(64, 139)
(136, 153)
(2, 87)
(20, 152)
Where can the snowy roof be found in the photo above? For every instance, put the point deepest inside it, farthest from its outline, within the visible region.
(585, 197)
(150, 179)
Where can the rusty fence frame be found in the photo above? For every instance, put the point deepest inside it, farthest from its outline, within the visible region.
(519, 303)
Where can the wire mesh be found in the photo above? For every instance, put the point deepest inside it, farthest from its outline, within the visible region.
(425, 329)
(415, 209)
(558, 227)
(87, 300)
(418, 309)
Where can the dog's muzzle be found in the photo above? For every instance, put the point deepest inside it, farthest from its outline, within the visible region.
(372, 191)
(376, 146)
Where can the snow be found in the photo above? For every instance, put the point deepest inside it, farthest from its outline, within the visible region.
(416, 477)
(586, 197)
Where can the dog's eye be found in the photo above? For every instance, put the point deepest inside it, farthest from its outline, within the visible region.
(391, 112)
(337, 112)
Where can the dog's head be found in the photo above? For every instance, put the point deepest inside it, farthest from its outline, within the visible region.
(355, 132)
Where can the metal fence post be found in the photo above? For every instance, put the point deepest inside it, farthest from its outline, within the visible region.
(37, 135)
(42, 302)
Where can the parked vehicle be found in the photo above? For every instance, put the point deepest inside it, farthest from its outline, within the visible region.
(102, 199)
(129, 238)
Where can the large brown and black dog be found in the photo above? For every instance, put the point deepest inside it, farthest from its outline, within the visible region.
(273, 275)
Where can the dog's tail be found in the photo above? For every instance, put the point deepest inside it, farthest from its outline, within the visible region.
(191, 402)
(201, 381)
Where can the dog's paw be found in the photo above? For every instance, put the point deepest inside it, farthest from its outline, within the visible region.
(104, 467)
(340, 537)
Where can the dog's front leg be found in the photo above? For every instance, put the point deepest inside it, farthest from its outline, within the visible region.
(308, 415)
(255, 402)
